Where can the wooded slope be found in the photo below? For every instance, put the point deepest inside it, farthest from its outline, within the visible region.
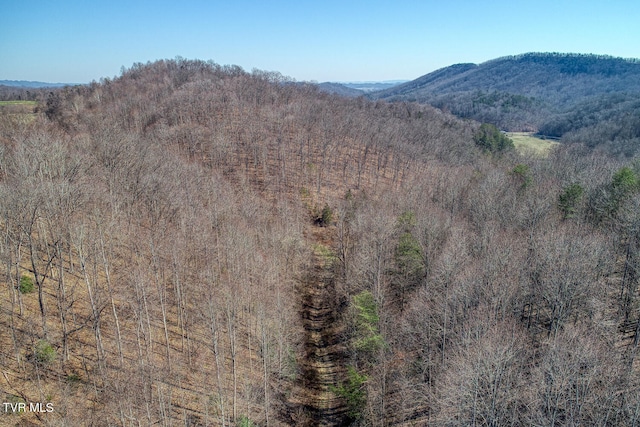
(191, 244)
(557, 95)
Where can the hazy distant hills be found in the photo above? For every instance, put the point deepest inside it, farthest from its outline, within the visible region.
(373, 86)
(353, 89)
(24, 90)
(32, 84)
(579, 97)
(340, 89)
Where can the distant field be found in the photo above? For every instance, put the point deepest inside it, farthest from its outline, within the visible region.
(29, 103)
(22, 111)
(526, 142)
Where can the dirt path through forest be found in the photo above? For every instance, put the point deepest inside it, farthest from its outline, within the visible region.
(325, 353)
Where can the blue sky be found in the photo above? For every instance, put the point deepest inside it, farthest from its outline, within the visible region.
(83, 40)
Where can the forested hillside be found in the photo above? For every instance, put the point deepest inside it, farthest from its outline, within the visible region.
(587, 98)
(192, 244)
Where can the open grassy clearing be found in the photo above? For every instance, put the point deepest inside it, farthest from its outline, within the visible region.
(29, 103)
(18, 111)
(527, 142)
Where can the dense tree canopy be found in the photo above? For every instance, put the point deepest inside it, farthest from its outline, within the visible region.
(193, 244)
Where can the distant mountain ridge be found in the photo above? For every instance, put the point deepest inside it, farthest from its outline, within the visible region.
(530, 74)
(33, 84)
(578, 97)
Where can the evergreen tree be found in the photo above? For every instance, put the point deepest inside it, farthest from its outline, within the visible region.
(569, 199)
(491, 139)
